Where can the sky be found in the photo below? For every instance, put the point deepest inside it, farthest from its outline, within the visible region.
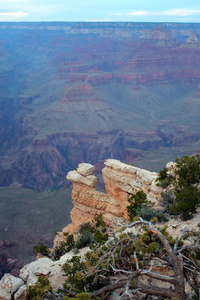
(100, 10)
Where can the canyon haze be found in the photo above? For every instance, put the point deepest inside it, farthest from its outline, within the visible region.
(86, 92)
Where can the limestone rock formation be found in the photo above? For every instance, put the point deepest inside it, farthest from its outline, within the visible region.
(89, 180)
(30, 272)
(15, 288)
(121, 182)
(22, 293)
(88, 202)
(9, 284)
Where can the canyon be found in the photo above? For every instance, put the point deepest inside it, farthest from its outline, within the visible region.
(75, 93)
(95, 89)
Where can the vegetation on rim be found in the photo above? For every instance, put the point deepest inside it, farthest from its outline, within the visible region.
(129, 263)
(181, 195)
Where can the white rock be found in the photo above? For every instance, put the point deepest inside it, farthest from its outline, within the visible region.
(4, 295)
(74, 176)
(52, 269)
(155, 187)
(138, 184)
(171, 165)
(22, 293)
(10, 283)
(34, 269)
(118, 165)
(146, 176)
(85, 169)
(24, 274)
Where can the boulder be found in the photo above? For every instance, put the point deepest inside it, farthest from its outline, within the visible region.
(85, 169)
(89, 180)
(30, 272)
(22, 293)
(9, 284)
(51, 269)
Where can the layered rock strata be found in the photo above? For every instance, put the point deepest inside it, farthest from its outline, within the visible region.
(121, 182)
(88, 202)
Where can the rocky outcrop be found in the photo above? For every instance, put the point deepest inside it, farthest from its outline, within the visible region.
(88, 202)
(9, 285)
(30, 273)
(121, 181)
(22, 293)
(15, 288)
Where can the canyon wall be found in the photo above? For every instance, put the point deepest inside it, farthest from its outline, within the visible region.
(105, 90)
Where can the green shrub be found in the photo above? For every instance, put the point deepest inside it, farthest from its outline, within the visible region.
(73, 269)
(73, 265)
(92, 234)
(188, 170)
(80, 273)
(137, 201)
(168, 199)
(41, 248)
(100, 237)
(164, 179)
(184, 198)
(85, 239)
(149, 213)
(141, 207)
(81, 296)
(64, 247)
(86, 227)
(186, 202)
(40, 289)
(99, 223)
(89, 234)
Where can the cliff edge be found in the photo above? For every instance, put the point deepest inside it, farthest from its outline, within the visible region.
(121, 182)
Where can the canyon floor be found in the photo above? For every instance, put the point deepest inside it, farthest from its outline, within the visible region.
(28, 217)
